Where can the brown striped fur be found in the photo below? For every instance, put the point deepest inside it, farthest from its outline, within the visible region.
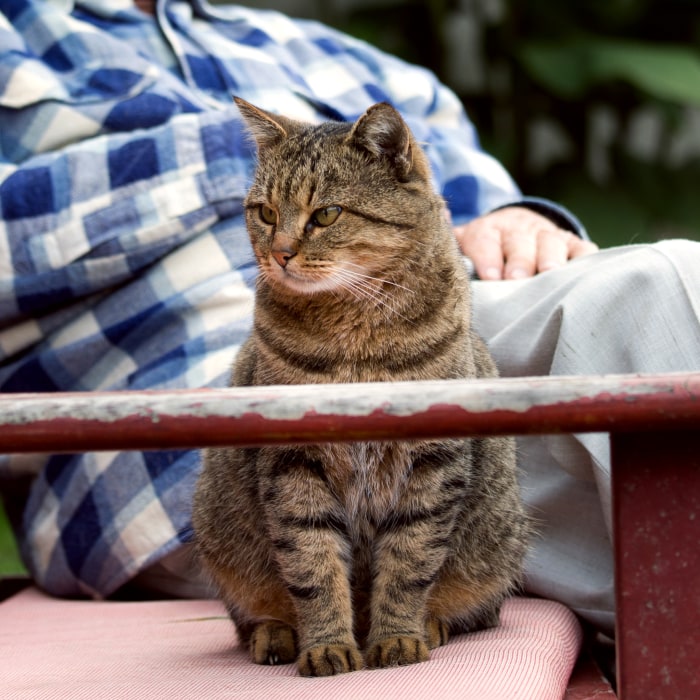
(347, 555)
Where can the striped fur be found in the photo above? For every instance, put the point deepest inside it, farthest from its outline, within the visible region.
(339, 556)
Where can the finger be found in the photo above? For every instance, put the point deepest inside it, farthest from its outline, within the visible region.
(481, 243)
(579, 246)
(520, 252)
(552, 249)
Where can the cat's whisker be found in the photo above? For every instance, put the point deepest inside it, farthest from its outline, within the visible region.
(363, 295)
(377, 279)
(357, 294)
(263, 276)
(351, 283)
(361, 288)
(365, 283)
(356, 284)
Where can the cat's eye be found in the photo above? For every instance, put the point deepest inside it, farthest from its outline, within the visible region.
(325, 216)
(268, 215)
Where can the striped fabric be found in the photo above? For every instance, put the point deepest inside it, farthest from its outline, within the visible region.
(78, 650)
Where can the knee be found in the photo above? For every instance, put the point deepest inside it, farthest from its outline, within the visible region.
(675, 249)
(658, 265)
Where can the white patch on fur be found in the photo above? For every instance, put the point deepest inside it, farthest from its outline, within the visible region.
(373, 487)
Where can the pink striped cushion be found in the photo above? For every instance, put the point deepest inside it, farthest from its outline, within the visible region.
(58, 649)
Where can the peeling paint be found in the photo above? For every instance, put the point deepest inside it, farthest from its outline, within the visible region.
(366, 411)
(294, 402)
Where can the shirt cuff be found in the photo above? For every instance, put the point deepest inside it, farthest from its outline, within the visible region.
(556, 213)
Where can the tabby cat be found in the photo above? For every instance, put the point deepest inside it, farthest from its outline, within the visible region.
(341, 556)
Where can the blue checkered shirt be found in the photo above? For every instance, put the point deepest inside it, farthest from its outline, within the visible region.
(124, 262)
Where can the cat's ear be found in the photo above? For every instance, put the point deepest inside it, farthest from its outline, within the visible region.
(385, 135)
(267, 129)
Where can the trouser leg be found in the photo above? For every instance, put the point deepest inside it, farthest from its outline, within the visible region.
(623, 310)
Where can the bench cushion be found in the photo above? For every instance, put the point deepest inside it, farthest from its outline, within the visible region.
(56, 649)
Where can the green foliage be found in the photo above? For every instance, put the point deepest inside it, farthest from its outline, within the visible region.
(573, 69)
(617, 82)
(10, 562)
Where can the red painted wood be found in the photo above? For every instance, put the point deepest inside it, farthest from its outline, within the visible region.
(587, 681)
(294, 414)
(656, 506)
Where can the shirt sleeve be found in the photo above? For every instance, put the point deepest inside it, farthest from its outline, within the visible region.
(91, 216)
(556, 213)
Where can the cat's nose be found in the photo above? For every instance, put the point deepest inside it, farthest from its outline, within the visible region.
(283, 256)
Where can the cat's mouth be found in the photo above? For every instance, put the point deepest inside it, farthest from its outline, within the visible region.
(301, 281)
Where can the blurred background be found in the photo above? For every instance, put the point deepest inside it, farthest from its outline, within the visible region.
(592, 103)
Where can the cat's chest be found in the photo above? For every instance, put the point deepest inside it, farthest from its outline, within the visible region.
(368, 478)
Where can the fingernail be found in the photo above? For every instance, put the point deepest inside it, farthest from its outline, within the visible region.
(517, 273)
(491, 273)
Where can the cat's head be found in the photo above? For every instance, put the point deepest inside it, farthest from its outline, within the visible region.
(336, 206)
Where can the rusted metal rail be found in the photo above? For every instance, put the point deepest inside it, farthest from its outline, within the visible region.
(77, 422)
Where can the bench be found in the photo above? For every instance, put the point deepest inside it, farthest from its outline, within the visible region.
(653, 421)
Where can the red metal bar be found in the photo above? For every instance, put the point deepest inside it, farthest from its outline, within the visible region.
(77, 422)
(656, 510)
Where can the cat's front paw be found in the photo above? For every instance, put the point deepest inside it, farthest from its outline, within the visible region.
(329, 660)
(273, 643)
(397, 651)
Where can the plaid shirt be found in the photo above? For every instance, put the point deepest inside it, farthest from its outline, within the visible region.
(124, 262)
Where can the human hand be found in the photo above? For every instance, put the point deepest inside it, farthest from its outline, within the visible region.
(517, 242)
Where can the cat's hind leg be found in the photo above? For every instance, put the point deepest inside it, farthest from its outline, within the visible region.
(437, 632)
(263, 617)
(273, 643)
(463, 605)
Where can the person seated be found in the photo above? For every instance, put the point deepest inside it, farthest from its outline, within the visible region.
(126, 265)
